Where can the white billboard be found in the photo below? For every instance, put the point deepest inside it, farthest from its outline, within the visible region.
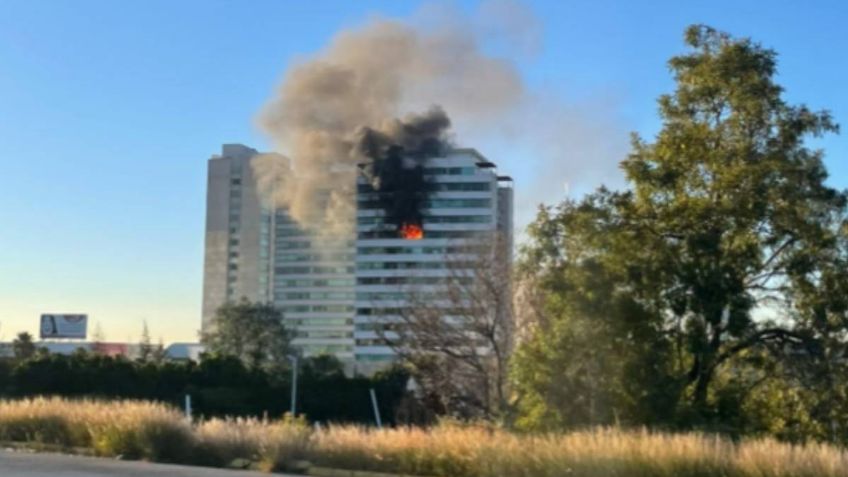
(63, 326)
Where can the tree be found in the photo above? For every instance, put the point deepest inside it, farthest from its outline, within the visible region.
(590, 350)
(23, 346)
(146, 349)
(159, 353)
(251, 332)
(456, 335)
(98, 337)
(727, 219)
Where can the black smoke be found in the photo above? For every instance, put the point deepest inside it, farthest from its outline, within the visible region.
(397, 157)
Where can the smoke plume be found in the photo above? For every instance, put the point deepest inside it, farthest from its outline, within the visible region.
(340, 108)
(396, 165)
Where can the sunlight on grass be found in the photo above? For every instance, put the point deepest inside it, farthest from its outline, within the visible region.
(157, 432)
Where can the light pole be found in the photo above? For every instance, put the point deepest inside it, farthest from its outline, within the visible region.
(293, 359)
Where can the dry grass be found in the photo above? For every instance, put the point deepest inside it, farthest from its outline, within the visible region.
(482, 452)
(133, 429)
(156, 432)
(275, 445)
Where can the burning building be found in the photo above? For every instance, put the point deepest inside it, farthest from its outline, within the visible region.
(459, 200)
(416, 205)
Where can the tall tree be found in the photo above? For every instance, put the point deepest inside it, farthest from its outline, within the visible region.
(727, 217)
(455, 332)
(23, 346)
(145, 347)
(592, 348)
(252, 332)
(98, 337)
(733, 199)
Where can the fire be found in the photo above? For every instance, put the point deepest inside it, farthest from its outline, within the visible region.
(411, 231)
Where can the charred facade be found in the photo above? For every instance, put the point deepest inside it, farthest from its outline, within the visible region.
(394, 171)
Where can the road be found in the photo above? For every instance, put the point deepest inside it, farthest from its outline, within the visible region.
(24, 464)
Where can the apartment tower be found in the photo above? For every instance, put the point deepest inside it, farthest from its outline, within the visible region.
(336, 294)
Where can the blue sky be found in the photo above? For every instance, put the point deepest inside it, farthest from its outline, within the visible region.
(109, 111)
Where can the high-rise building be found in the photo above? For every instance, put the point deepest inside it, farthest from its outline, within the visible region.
(313, 285)
(237, 256)
(259, 253)
(335, 293)
(467, 202)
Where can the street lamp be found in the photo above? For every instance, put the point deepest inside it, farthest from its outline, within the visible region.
(293, 359)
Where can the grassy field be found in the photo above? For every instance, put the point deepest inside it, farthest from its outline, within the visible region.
(152, 431)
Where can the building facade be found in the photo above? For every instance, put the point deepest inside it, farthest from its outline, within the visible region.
(467, 202)
(258, 253)
(334, 294)
(238, 240)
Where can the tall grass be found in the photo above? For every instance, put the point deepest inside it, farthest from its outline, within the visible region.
(462, 451)
(275, 445)
(133, 429)
(156, 432)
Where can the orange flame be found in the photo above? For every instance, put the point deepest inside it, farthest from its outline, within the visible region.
(411, 232)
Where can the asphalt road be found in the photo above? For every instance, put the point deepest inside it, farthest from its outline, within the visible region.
(24, 464)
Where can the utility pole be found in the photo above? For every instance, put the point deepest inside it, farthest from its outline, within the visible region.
(293, 359)
(376, 409)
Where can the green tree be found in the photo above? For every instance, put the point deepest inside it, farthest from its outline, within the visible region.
(726, 222)
(23, 346)
(251, 332)
(592, 349)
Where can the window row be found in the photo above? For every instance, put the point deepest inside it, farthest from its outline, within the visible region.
(449, 234)
(313, 257)
(433, 219)
(326, 349)
(315, 296)
(450, 171)
(323, 334)
(387, 311)
(328, 282)
(413, 280)
(415, 250)
(413, 265)
(435, 204)
(320, 322)
(310, 270)
(315, 309)
(439, 187)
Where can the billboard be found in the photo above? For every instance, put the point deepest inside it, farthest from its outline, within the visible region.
(63, 326)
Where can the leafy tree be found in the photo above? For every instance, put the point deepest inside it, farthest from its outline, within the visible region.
(726, 226)
(251, 332)
(591, 351)
(23, 346)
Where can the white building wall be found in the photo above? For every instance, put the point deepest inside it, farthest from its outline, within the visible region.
(456, 215)
(237, 235)
(314, 287)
